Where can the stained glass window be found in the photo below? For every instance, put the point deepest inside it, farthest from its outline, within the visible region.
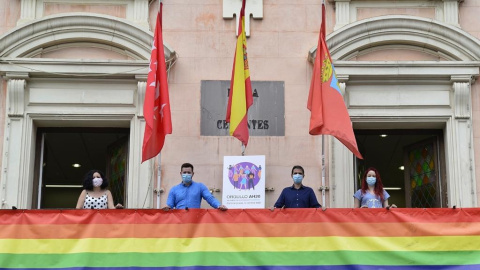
(423, 180)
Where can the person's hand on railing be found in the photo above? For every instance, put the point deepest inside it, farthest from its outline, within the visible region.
(273, 208)
(391, 206)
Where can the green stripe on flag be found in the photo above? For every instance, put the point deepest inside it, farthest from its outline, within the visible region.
(238, 258)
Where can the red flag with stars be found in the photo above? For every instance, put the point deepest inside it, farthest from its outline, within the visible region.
(156, 107)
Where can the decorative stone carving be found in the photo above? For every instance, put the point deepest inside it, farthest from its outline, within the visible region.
(461, 89)
(342, 83)
(252, 7)
(141, 88)
(16, 97)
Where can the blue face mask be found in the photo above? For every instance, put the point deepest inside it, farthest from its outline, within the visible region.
(297, 178)
(186, 178)
(371, 181)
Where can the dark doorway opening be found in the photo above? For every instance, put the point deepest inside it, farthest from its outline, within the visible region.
(411, 164)
(65, 155)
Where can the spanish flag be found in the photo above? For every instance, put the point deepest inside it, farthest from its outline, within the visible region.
(240, 96)
(329, 115)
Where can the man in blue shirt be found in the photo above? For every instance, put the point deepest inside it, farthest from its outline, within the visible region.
(298, 195)
(189, 194)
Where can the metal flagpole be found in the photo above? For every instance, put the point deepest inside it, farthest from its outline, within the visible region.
(159, 180)
(159, 169)
(323, 171)
(323, 152)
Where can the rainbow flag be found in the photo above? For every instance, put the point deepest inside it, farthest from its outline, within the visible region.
(240, 239)
(240, 97)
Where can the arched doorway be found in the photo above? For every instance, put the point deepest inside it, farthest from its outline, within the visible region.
(60, 74)
(432, 88)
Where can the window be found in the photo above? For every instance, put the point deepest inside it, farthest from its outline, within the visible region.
(410, 162)
(65, 155)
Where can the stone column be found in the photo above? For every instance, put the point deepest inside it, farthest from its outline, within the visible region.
(14, 186)
(140, 184)
(341, 171)
(28, 9)
(450, 12)
(461, 176)
(140, 13)
(342, 13)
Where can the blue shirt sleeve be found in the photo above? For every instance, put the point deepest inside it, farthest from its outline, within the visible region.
(385, 195)
(171, 198)
(358, 195)
(209, 197)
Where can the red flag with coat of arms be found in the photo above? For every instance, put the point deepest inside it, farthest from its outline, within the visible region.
(156, 107)
(329, 115)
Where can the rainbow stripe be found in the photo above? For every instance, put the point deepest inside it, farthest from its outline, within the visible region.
(240, 239)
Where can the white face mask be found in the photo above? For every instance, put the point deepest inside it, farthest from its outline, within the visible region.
(97, 182)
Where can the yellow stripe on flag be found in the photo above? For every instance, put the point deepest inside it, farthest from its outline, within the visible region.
(239, 109)
(238, 244)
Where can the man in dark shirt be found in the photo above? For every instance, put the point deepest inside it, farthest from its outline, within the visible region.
(298, 195)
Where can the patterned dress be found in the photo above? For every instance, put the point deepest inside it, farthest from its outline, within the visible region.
(95, 203)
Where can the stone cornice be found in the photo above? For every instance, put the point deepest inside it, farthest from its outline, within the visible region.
(409, 69)
(73, 67)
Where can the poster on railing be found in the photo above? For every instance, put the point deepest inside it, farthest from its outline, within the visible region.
(244, 182)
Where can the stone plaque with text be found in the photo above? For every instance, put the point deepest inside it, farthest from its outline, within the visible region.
(266, 117)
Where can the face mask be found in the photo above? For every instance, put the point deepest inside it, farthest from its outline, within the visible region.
(371, 181)
(186, 178)
(297, 178)
(97, 182)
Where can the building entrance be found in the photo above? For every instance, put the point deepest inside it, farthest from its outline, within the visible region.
(411, 164)
(65, 155)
